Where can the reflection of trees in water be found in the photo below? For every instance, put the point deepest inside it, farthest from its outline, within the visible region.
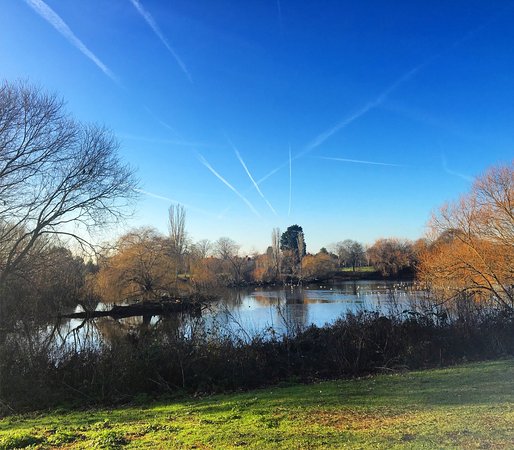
(29, 337)
(32, 339)
(232, 298)
(113, 330)
(77, 335)
(234, 315)
(285, 310)
(265, 300)
(292, 310)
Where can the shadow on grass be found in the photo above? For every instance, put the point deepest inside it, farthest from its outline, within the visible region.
(486, 383)
(480, 384)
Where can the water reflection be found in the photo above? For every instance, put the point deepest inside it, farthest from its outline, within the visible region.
(242, 313)
(291, 309)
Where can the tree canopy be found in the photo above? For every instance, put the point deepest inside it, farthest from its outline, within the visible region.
(58, 177)
(292, 239)
(472, 247)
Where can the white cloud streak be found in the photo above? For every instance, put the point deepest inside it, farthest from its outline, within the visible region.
(271, 173)
(157, 196)
(47, 13)
(257, 188)
(321, 138)
(359, 161)
(226, 183)
(155, 28)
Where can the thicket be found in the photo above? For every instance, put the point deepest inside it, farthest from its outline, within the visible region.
(157, 361)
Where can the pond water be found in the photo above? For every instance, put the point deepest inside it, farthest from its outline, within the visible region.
(286, 308)
(246, 312)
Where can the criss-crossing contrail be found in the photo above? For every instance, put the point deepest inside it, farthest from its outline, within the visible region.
(381, 98)
(359, 161)
(155, 28)
(226, 183)
(47, 13)
(257, 188)
(321, 138)
(290, 182)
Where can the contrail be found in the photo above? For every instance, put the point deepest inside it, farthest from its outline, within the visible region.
(359, 161)
(403, 79)
(379, 100)
(269, 174)
(290, 182)
(226, 183)
(47, 13)
(321, 138)
(171, 200)
(347, 121)
(155, 28)
(151, 194)
(251, 177)
(452, 172)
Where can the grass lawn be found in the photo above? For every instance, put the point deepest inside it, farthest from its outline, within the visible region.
(470, 406)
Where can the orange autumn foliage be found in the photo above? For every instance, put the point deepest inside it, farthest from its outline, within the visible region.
(472, 251)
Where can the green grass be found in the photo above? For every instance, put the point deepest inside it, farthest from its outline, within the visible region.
(470, 406)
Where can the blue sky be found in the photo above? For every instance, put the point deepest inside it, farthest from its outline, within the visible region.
(388, 109)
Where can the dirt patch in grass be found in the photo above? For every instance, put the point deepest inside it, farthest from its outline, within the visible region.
(359, 421)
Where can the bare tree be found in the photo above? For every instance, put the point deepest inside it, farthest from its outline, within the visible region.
(203, 248)
(350, 253)
(57, 176)
(391, 255)
(228, 251)
(177, 229)
(226, 248)
(276, 256)
(472, 250)
(177, 235)
(301, 252)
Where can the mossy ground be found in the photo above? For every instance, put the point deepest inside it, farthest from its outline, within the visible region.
(469, 406)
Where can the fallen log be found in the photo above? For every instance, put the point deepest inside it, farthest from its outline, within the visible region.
(147, 308)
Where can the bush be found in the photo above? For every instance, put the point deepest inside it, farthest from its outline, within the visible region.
(155, 361)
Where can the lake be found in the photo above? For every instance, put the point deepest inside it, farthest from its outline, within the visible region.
(258, 310)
